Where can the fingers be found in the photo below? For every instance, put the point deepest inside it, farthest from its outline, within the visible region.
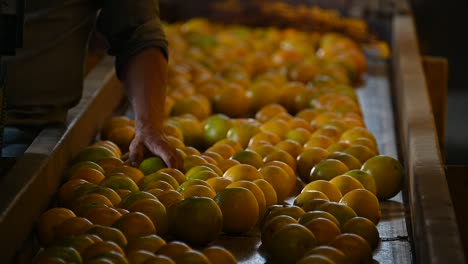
(167, 152)
(157, 146)
(136, 150)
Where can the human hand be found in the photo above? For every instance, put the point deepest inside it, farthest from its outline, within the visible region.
(156, 143)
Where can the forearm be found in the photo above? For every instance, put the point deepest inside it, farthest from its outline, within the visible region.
(145, 78)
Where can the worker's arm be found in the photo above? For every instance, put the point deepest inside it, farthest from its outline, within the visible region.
(145, 77)
(135, 34)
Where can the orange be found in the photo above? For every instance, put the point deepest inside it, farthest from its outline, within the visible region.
(224, 165)
(364, 178)
(326, 187)
(249, 157)
(151, 243)
(110, 163)
(158, 184)
(192, 256)
(197, 105)
(268, 191)
(239, 207)
(232, 101)
(357, 132)
(364, 203)
(171, 129)
(135, 174)
(107, 192)
(346, 183)
(49, 220)
(310, 215)
(88, 174)
(105, 216)
(290, 243)
(59, 254)
(364, 228)
(349, 160)
(88, 200)
(282, 209)
(176, 143)
(158, 176)
(191, 161)
(263, 150)
(198, 190)
(93, 153)
(191, 182)
(308, 195)
(192, 130)
(299, 135)
(283, 156)
(339, 146)
(81, 165)
(135, 224)
(320, 141)
(262, 93)
(79, 242)
(330, 131)
(101, 248)
(139, 256)
(290, 146)
(325, 230)
(168, 197)
(217, 254)
(308, 159)
(203, 174)
(334, 254)
(340, 211)
(291, 90)
(267, 112)
(272, 225)
(316, 259)
(122, 137)
(242, 172)
(155, 210)
(216, 128)
(279, 180)
(308, 114)
(327, 169)
(151, 164)
(219, 183)
(232, 142)
(117, 182)
(195, 220)
(242, 133)
(364, 141)
(214, 155)
(107, 233)
(72, 227)
(173, 249)
(113, 122)
(362, 153)
(135, 197)
(264, 136)
(257, 191)
(275, 126)
(224, 150)
(388, 174)
(356, 248)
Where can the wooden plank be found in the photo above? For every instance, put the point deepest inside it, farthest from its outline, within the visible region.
(436, 73)
(433, 223)
(27, 190)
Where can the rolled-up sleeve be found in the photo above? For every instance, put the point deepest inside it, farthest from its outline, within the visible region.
(130, 26)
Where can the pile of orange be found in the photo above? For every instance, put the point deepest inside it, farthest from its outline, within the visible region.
(272, 138)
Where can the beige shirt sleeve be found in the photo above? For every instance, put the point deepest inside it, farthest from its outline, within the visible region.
(131, 26)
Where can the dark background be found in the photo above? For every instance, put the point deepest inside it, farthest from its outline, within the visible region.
(442, 27)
